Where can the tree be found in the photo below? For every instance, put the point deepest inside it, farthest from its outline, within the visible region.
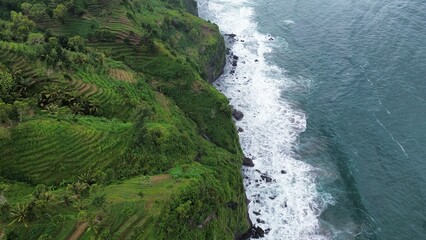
(60, 12)
(78, 188)
(35, 38)
(66, 200)
(22, 107)
(20, 214)
(7, 82)
(21, 25)
(38, 11)
(6, 112)
(76, 43)
(25, 7)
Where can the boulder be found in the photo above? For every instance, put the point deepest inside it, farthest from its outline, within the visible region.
(238, 115)
(248, 162)
(257, 232)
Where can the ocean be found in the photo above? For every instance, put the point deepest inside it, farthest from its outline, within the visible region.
(334, 100)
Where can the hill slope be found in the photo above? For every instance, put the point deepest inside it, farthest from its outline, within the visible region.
(109, 128)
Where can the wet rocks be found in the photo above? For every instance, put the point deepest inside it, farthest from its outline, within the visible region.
(248, 162)
(258, 220)
(230, 35)
(256, 213)
(257, 232)
(266, 178)
(254, 232)
(238, 115)
(283, 172)
(240, 129)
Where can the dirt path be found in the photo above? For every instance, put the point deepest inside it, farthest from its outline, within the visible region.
(79, 231)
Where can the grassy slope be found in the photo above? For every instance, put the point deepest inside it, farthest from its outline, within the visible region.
(191, 150)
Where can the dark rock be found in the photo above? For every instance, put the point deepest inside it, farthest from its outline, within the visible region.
(272, 197)
(228, 51)
(257, 201)
(240, 129)
(234, 63)
(231, 35)
(283, 172)
(253, 232)
(266, 178)
(232, 205)
(260, 220)
(256, 213)
(248, 162)
(271, 39)
(256, 60)
(242, 41)
(238, 115)
(232, 71)
(258, 232)
(267, 230)
(235, 57)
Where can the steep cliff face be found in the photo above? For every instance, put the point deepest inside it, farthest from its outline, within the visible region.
(189, 5)
(110, 123)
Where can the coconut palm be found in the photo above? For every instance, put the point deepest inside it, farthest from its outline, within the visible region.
(20, 214)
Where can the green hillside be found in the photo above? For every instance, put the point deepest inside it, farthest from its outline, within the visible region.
(109, 127)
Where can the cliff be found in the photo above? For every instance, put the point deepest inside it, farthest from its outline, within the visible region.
(109, 128)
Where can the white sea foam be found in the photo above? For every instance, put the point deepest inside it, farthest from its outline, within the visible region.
(289, 205)
(288, 22)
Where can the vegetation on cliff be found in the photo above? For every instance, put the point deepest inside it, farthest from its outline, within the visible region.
(109, 128)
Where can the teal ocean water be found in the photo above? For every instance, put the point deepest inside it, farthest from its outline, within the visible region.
(334, 94)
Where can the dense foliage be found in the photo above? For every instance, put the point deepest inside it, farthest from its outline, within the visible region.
(109, 128)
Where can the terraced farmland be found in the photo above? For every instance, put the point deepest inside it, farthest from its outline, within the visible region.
(48, 151)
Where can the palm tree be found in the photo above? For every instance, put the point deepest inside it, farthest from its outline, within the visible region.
(66, 200)
(20, 214)
(79, 205)
(78, 188)
(88, 178)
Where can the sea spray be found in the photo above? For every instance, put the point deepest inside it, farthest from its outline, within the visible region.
(282, 189)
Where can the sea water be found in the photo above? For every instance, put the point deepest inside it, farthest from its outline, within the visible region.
(334, 100)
